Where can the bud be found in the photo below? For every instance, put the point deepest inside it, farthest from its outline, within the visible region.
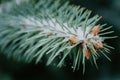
(98, 45)
(73, 39)
(49, 35)
(87, 53)
(95, 30)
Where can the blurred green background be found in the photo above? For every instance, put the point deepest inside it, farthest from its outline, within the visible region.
(110, 10)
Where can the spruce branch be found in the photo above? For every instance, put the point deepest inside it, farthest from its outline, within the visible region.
(52, 29)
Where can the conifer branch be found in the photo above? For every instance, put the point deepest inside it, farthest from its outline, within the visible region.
(54, 30)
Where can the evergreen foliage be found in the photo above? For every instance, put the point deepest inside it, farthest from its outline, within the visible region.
(52, 30)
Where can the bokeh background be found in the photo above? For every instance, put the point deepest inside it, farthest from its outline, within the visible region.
(110, 11)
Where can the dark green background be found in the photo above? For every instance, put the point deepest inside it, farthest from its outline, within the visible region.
(110, 10)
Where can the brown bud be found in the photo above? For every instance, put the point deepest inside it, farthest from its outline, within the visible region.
(87, 53)
(73, 39)
(98, 45)
(50, 35)
(96, 30)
